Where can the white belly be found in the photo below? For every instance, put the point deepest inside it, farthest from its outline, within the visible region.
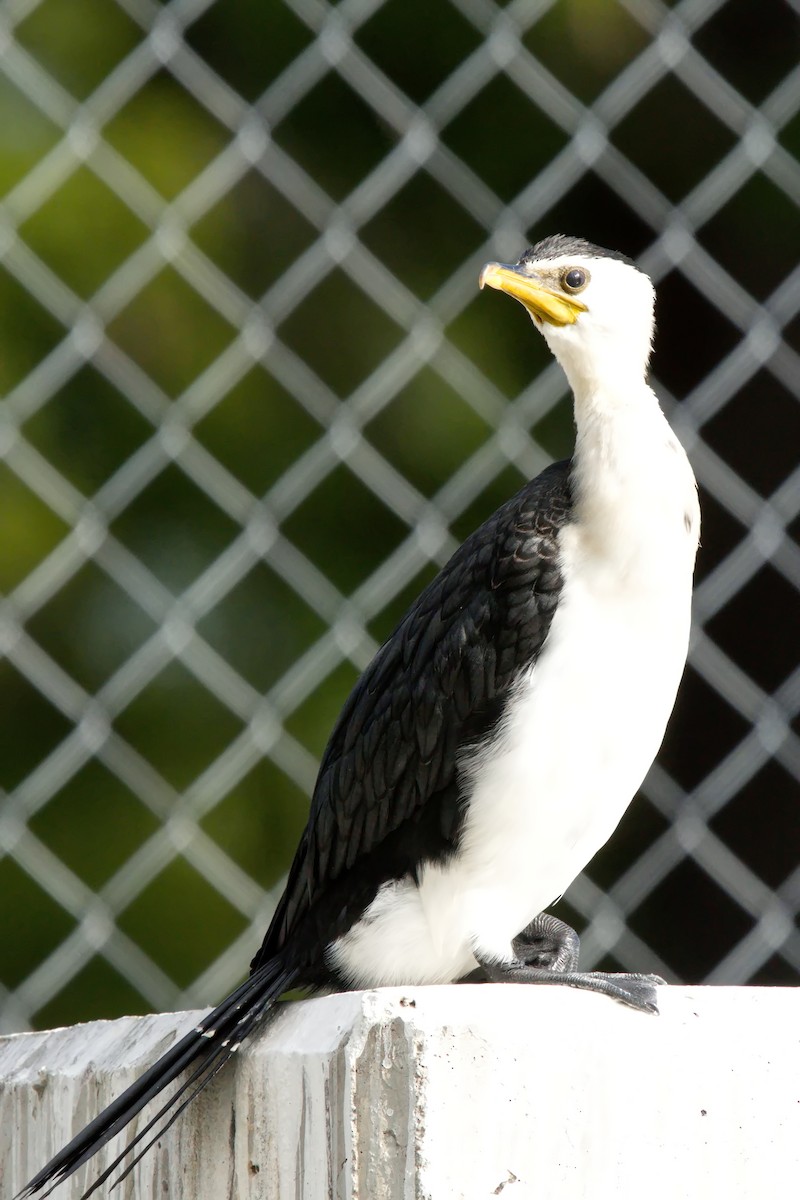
(586, 725)
(581, 734)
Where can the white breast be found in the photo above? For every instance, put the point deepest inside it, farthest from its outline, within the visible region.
(581, 733)
(586, 725)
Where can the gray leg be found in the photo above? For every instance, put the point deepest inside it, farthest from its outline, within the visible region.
(547, 952)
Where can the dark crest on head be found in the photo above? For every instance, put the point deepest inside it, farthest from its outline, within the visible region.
(560, 246)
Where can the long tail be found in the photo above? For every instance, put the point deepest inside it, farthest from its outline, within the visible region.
(210, 1045)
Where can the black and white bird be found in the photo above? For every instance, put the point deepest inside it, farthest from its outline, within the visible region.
(497, 737)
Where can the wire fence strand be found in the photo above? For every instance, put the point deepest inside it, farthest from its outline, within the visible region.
(247, 139)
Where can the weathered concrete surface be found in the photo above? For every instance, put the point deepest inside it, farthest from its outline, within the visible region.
(446, 1093)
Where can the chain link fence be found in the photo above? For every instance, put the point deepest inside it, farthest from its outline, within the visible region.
(178, 629)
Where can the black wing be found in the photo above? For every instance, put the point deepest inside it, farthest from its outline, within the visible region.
(386, 796)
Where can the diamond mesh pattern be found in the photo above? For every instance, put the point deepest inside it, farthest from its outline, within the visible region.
(95, 562)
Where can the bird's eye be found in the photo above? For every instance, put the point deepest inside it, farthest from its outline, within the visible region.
(575, 280)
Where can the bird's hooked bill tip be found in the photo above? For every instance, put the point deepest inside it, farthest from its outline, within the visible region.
(486, 271)
(502, 276)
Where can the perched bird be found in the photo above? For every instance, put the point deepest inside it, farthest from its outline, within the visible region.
(497, 737)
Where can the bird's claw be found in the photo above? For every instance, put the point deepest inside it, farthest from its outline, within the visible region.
(547, 952)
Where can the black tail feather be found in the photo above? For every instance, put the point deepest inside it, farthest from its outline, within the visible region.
(214, 1040)
(207, 1070)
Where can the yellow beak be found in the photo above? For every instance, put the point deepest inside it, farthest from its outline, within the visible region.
(541, 302)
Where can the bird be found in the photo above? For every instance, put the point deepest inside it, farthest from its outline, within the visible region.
(495, 740)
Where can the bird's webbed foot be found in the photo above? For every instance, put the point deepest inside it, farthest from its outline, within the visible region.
(547, 952)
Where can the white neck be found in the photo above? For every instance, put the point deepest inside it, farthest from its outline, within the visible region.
(635, 494)
(606, 373)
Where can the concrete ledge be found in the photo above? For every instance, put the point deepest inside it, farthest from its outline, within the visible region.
(445, 1093)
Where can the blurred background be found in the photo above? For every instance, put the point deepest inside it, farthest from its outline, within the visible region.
(254, 399)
